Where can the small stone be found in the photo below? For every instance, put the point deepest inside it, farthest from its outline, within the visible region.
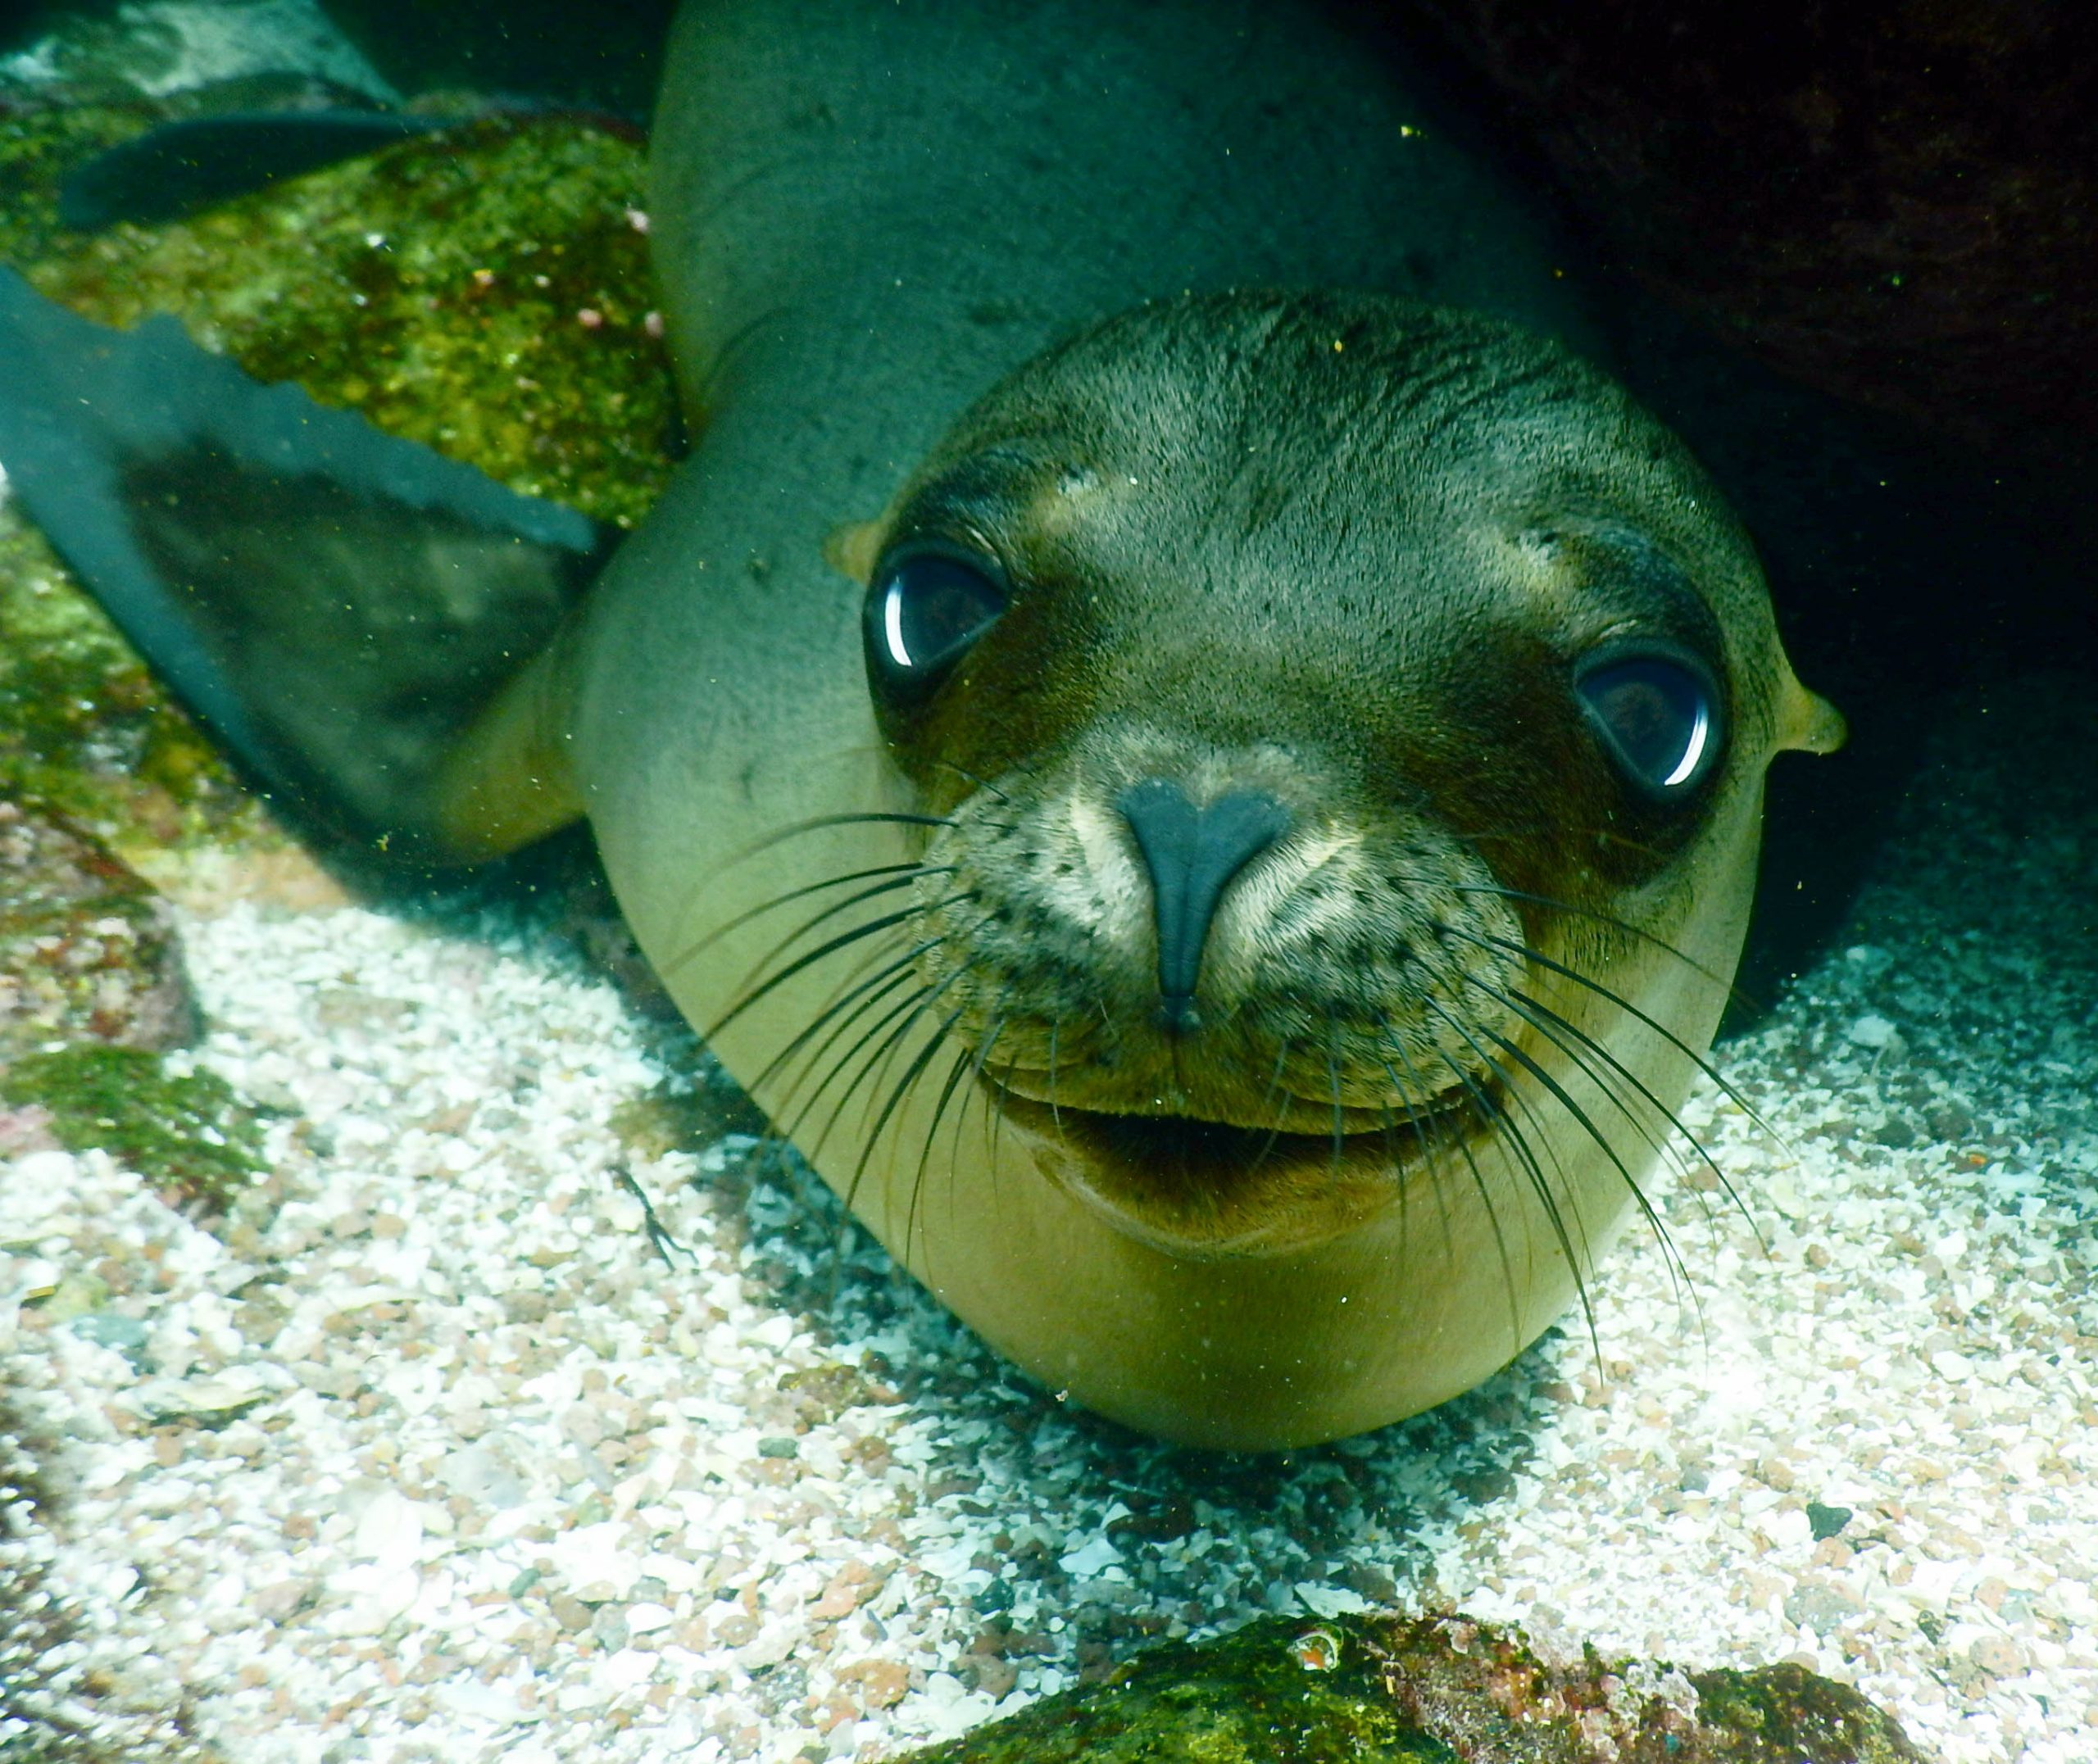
(277, 1601)
(1823, 1609)
(1826, 1520)
(884, 1682)
(987, 1673)
(1873, 1031)
(1997, 1655)
(210, 1401)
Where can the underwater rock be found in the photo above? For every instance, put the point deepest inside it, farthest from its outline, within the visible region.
(87, 950)
(1889, 202)
(486, 292)
(1430, 1690)
(155, 48)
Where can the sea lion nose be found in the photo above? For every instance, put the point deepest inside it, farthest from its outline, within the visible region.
(1192, 854)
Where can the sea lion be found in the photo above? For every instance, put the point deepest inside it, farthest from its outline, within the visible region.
(1217, 813)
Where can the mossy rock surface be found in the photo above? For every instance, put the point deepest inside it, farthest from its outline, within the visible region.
(87, 950)
(1429, 1691)
(485, 291)
(185, 1131)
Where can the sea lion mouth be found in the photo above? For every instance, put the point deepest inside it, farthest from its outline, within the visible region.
(1206, 1188)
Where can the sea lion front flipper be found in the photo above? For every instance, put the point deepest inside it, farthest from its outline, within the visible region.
(339, 605)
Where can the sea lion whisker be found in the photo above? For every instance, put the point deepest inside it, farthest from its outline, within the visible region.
(1434, 1165)
(870, 992)
(1672, 1257)
(1584, 1051)
(1056, 1110)
(1541, 1015)
(801, 964)
(1490, 1113)
(902, 1089)
(814, 824)
(995, 1127)
(808, 926)
(906, 1009)
(1725, 1085)
(817, 823)
(1438, 1149)
(1340, 1118)
(889, 1050)
(920, 1063)
(982, 1063)
(1506, 1124)
(909, 872)
(1275, 1096)
(1623, 1088)
(1500, 834)
(886, 1030)
(883, 982)
(1610, 919)
(1390, 1119)
(965, 773)
(755, 989)
(956, 1074)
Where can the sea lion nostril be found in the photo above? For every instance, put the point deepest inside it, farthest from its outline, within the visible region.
(1192, 854)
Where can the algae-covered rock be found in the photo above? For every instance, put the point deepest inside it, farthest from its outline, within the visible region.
(485, 291)
(88, 951)
(185, 1132)
(1437, 1691)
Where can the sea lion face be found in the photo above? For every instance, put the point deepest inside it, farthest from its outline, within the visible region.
(1335, 713)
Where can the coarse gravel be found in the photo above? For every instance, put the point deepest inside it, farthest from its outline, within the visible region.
(434, 1454)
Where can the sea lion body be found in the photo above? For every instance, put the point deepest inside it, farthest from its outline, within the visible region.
(864, 217)
(1243, 978)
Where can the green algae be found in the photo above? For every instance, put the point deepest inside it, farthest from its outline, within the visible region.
(1247, 1699)
(1428, 1691)
(486, 292)
(187, 1133)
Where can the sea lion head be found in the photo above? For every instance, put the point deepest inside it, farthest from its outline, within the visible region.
(1341, 726)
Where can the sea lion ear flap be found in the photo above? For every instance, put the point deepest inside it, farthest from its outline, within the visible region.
(338, 605)
(854, 549)
(1807, 723)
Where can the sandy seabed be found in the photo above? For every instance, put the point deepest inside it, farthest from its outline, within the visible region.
(442, 1457)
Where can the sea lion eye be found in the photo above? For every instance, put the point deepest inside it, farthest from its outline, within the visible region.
(925, 611)
(1658, 714)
